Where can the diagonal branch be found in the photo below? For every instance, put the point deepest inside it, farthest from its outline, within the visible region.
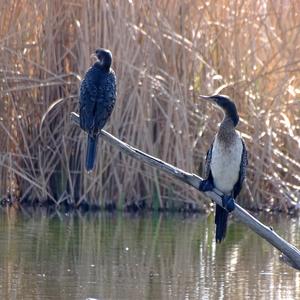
(290, 254)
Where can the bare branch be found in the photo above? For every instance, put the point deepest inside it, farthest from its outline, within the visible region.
(290, 254)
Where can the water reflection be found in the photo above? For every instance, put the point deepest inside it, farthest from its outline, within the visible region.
(118, 256)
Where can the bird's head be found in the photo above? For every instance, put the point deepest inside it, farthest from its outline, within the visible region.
(105, 58)
(226, 104)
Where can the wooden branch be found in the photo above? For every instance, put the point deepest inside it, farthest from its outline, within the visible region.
(290, 254)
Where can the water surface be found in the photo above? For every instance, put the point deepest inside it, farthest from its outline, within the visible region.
(117, 256)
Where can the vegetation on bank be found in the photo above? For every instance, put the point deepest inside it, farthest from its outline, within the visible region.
(165, 54)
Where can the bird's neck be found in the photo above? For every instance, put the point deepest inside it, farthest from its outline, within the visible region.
(230, 113)
(226, 131)
(103, 67)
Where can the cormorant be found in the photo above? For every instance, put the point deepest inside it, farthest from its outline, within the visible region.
(226, 163)
(97, 100)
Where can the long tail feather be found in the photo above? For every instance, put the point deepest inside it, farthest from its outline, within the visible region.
(91, 152)
(221, 223)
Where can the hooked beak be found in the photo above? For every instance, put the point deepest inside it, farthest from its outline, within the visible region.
(211, 99)
(94, 57)
(208, 98)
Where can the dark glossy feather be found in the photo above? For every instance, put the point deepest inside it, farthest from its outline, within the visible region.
(97, 100)
(91, 152)
(221, 217)
(242, 175)
(207, 170)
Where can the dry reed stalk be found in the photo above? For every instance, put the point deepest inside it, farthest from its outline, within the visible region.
(165, 54)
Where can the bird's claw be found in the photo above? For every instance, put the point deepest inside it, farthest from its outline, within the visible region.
(228, 203)
(206, 185)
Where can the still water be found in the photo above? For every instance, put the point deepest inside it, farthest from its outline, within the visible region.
(118, 256)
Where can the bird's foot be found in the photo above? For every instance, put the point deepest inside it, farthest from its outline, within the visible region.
(206, 185)
(228, 203)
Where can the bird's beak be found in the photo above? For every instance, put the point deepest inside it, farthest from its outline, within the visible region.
(210, 99)
(94, 57)
(207, 98)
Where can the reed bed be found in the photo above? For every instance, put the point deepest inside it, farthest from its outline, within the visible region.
(165, 54)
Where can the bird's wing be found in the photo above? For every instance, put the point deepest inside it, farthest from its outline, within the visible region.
(110, 93)
(242, 175)
(208, 161)
(88, 88)
(106, 101)
(87, 102)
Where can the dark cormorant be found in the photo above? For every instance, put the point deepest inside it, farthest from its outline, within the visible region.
(97, 100)
(226, 163)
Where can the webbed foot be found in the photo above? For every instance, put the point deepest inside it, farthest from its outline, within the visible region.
(228, 203)
(206, 185)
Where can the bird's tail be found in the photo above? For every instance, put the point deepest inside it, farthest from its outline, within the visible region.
(221, 223)
(91, 152)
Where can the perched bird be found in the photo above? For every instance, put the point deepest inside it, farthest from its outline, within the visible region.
(97, 100)
(226, 162)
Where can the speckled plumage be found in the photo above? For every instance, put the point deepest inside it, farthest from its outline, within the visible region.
(97, 100)
(226, 162)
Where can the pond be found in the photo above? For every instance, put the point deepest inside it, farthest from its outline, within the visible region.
(154, 256)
